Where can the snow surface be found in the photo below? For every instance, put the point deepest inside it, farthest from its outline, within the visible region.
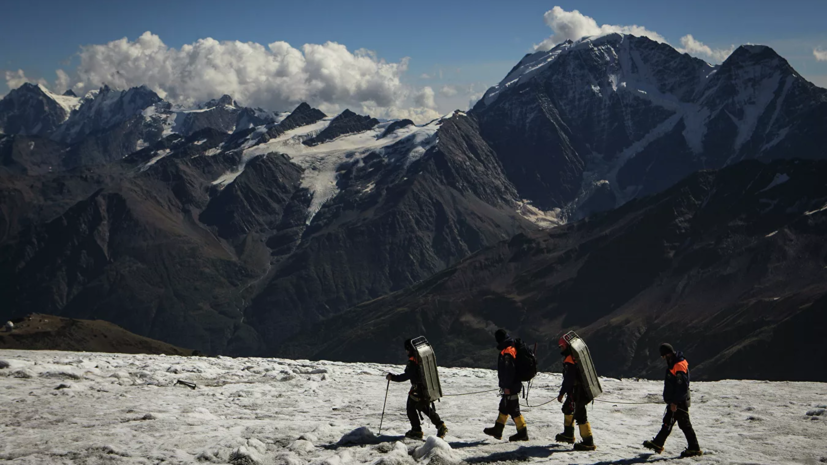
(68, 103)
(780, 178)
(156, 156)
(66, 407)
(320, 161)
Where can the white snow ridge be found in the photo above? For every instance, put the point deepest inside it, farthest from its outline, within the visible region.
(65, 407)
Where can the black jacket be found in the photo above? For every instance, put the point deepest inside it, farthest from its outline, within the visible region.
(411, 373)
(507, 369)
(571, 378)
(676, 384)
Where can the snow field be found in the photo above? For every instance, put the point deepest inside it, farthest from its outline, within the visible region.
(65, 407)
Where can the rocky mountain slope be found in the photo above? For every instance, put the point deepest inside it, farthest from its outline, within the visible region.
(49, 332)
(231, 242)
(728, 265)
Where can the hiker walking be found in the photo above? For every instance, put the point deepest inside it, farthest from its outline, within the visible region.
(574, 407)
(510, 386)
(676, 396)
(417, 404)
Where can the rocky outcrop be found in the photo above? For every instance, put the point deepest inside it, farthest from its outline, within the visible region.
(347, 122)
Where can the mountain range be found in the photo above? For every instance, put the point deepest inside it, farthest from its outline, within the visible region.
(611, 185)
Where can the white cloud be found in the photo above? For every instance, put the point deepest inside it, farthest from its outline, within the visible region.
(276, 76)
(425, 76)
(15, 79)
(425, 98)
(448, 91)
(821, 55)
(417, 114)
(474, 98)
(573, 25)
(697, 48)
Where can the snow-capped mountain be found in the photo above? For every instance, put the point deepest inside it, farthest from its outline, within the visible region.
(32, 110)
(607, 119)
(230, 230)
(107, 124)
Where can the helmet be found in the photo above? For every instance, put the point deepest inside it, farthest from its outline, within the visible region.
(409, 345)
(500, 335)
(563, 342)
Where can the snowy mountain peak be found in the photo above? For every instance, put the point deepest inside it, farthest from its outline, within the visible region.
(105, 109)
(33, 109)
(763, 55)
(224, 100)
(612, 56)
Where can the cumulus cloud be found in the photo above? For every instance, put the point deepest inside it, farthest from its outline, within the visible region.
(417, 114)
(474, 98)
(821, 55)
(425, 98)
(276, 76)
(573, 25)
(448, 91)
(697, 48)
(15, 79)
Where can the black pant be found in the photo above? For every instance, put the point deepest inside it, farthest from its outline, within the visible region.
(510, 405)
(681, 416)
(572, 407)
(416, 406)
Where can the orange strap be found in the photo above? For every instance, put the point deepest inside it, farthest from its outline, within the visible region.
(510, 350)
(569, 359)
(683, 366)
(413, 359)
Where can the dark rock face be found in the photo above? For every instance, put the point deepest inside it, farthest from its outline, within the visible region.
(390, 228)
(725, 265)
(257, 200)
(27, 110)
(637, 116)
(347, 122)
(303, 115)
(221, 117)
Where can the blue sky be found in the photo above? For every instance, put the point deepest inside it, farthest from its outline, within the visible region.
(456, 49)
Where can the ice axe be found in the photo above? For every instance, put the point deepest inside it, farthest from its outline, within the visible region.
(383, 407)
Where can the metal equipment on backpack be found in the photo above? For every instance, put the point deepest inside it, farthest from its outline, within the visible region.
(585, 365)
(426, 361)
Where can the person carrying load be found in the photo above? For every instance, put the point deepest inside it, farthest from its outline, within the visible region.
(419, 400)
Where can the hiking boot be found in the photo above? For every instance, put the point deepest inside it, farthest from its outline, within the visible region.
(654, 446)
(566, 436)
(693, 452)
(586, 444)
(414, 434)
(522, 435)
(442, 431)
(496, 431)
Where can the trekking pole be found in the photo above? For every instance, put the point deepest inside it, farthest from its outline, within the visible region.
(528, 389)
(383, 407)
